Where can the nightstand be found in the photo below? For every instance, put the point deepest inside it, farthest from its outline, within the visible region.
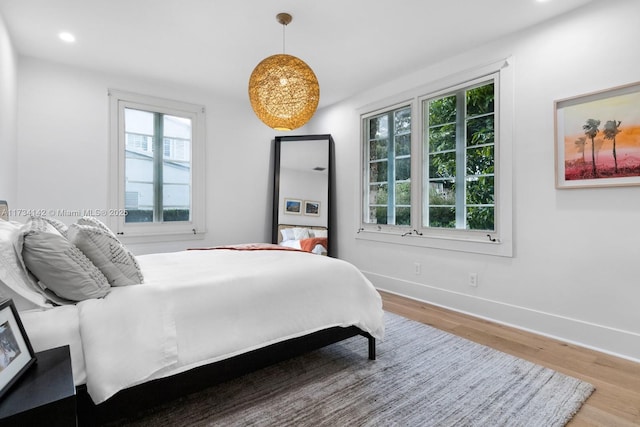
(45, 395)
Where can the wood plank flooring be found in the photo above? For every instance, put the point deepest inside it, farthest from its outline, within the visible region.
(616, 400)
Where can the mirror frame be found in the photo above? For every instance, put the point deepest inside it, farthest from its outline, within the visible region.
(331, 222)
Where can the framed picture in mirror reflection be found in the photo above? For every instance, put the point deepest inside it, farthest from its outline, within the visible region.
(311, 208)
(292, 206)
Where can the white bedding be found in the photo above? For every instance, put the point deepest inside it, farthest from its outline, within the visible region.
(54, 328)
(197, 307)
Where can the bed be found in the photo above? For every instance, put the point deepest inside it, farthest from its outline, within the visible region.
(308, 238)
(197, 318)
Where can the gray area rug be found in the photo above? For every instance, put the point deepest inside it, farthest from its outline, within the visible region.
(422, 377)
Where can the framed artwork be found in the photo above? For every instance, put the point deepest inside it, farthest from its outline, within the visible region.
(16, 354)
(311, 208)
(4, 210)
(293, 206)
(597, 141)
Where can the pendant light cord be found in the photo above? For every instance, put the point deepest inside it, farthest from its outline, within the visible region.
(284, 19)
(284, 26)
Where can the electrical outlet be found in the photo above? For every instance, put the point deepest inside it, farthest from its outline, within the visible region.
(418, 268)
(473, 279)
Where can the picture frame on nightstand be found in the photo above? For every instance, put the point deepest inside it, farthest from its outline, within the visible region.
(4, 210)
(16, 353)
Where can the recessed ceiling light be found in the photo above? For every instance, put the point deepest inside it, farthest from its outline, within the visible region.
(67, 37)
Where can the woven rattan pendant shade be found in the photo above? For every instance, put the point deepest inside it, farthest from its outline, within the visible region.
(283, 90)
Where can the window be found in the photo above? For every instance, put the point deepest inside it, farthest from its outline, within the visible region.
(158, 148)
(389, 168)
(461, 193)
(459, 143)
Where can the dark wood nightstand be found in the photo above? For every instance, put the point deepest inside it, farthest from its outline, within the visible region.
(45, 395)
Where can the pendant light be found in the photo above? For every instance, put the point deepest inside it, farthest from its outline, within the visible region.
(283, 89)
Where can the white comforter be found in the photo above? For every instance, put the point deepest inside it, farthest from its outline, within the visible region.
(197, 307)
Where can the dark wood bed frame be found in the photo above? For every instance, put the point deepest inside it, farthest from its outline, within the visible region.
(128, 402)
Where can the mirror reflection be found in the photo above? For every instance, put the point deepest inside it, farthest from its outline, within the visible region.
(302, 208)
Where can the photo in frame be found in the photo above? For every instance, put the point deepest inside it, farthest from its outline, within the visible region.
(293, 206)
(597, 138)
(16, 353)
(4, 210)
(311, 208)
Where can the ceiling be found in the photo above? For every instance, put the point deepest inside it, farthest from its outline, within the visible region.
(213, 45)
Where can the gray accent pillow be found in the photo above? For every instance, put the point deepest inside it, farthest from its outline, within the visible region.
(57, 224)
(95, 222)
(59, 266)
(15, 282)
(115, 261)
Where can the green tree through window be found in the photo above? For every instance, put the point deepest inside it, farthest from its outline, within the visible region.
(459, 145)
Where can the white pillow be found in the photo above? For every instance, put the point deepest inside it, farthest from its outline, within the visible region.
(115, 261)
(319, 233)
(60, 266)
(300, 233)
(287, 234)
(15, 282)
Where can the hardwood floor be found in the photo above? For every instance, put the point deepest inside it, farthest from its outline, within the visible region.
(616, 400)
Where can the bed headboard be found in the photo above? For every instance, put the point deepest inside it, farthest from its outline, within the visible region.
(4, 210)
(285, 226)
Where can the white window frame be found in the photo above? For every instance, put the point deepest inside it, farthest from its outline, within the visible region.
(157, 231)
(498, 242)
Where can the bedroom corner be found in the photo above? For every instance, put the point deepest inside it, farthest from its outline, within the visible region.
(8, 116)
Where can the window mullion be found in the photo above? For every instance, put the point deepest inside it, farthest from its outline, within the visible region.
(391, 171)
(422, 181)
(158, 157)
(461, 137)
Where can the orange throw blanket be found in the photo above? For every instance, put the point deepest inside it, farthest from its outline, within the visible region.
(307, 245)
(248, 247)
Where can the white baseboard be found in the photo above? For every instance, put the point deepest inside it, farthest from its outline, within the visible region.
(616, 342)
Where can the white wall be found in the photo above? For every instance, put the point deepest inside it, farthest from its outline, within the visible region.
(575, 273)
(8, 111)
(304, 186)
(63, 149)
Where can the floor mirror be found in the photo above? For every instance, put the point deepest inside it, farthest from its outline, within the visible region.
(303, 208)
